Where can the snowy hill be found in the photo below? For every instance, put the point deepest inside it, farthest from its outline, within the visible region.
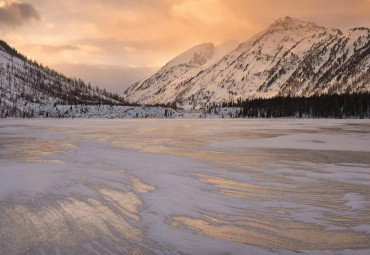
(27, 87)
(290, 57)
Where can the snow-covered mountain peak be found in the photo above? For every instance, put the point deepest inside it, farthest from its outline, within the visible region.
(178, 71)
(287, 20)
(285, 32)
(195, 56)
(360, 31)
(290, 57)
(289, 23)
(296, 27)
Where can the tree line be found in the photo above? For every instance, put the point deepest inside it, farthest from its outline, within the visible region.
(356, 105)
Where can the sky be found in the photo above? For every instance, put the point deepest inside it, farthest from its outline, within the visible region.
(114, 43)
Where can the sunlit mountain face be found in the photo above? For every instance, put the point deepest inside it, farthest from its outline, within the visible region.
(289, 58)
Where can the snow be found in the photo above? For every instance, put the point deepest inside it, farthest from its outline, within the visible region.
(289, 57)
(201, 52)
(326, 141)
(28, 89)
(169, 81)
(184, 186)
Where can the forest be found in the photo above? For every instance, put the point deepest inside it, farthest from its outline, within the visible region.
(356, 105)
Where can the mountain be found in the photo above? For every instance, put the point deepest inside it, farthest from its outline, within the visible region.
(167, 82)
(26, 86)
(290, 57)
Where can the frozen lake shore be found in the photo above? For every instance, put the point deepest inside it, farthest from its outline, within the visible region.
(184, 186)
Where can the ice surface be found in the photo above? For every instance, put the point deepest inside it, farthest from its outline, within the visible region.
(184, 186)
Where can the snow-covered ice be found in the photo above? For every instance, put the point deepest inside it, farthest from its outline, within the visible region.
(184, 186)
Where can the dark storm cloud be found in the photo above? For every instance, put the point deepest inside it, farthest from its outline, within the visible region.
(15, 14)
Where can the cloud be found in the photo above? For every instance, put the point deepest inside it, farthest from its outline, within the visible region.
(15, 14)
(152, 32)
(58, 48)
(114, 78)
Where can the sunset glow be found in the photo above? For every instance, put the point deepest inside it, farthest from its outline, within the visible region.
(133, 38)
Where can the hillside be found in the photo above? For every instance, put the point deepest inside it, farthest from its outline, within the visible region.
(27, 87)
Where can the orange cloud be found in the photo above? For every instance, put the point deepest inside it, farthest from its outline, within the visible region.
(151, 32)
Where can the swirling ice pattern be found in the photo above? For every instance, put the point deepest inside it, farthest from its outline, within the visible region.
(184, 187)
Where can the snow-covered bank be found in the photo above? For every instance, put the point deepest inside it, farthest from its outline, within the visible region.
(34, 110)
(89, 111)
(31, 110)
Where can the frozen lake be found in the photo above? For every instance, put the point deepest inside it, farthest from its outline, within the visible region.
(184, 186)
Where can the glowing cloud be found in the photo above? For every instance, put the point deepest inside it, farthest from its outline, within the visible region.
(141, 33)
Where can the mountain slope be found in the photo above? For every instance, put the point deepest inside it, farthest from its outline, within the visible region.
(290, 57)
(167, 82)
(26, 85)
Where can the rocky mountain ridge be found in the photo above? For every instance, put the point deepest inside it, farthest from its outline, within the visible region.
(290, 57)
